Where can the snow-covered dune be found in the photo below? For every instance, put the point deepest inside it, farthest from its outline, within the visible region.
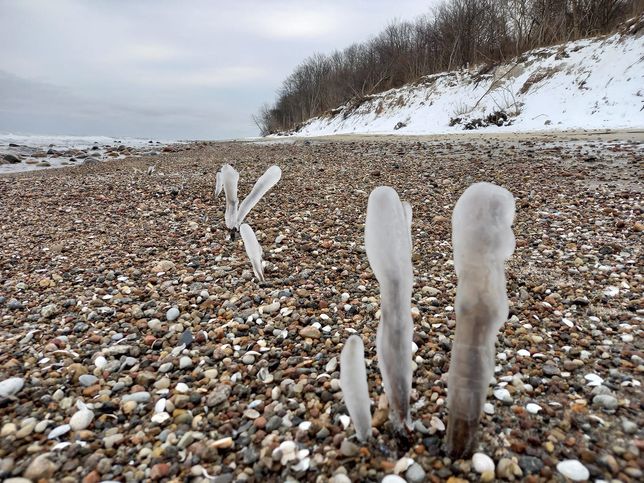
(587, 84)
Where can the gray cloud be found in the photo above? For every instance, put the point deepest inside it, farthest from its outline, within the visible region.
(162, 68)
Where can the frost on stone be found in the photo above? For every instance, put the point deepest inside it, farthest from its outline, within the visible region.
(355, 391)
(261, 187)
(253, 250)
(388, 247)
(482, 240)
(230, 178)
(218, 184)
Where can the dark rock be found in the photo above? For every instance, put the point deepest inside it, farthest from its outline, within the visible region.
(530, 464)
(12, 158)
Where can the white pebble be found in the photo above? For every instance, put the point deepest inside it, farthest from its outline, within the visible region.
(160, 418)
(81, 419)
(159, 407)
(482, 463)
(533, 408)
(185, 362)
(393, 479)
(172, 314)
(503, 395)
(11, 386)
(573, 469)
(100, 362)
(593, 380)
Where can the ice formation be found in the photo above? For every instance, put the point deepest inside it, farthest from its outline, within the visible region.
(482, 240)
(253, 250)
(230, 178)
(218, 184)
(355, 391)
(261, 187)
(388, 244)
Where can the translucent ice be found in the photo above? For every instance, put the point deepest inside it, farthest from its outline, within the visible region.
(253, 250)
(230, 178)
(261, 187)
(355, 391)
(482, 239)
(388, 245)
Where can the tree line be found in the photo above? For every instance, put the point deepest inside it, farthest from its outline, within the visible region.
(456, 34)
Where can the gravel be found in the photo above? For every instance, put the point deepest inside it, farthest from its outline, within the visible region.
(123, 291)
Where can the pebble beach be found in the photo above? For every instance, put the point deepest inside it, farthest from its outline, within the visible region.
(136, 345)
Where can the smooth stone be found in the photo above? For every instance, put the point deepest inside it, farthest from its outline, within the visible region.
(310, 332)
(100, 362)
(10, 387)
(533, 408)
(81, 419)
(349, 449)
(270, 308)
(482, 463)
(606, 401)
(140, 397)
(166, 367)
(112, 440)
(415, 474)
(573, 469)
(41, 468)
(393, 479)
(172, 314)
(88, 380)
(185, 362)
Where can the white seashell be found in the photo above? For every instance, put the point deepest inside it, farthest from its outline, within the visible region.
(159, 407)
(61, 445)
(11, 386)
(59, 431)
(593, 380)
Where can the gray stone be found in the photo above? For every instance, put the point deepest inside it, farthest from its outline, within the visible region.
(606, 401)
(12, 158)
(88, 380)
(347, 448)
(172, 314)
(218, 395)
(415, 474)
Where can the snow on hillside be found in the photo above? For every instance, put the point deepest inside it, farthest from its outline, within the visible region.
(587, 84)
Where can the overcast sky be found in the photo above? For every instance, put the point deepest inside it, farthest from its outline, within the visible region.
(190, 69)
